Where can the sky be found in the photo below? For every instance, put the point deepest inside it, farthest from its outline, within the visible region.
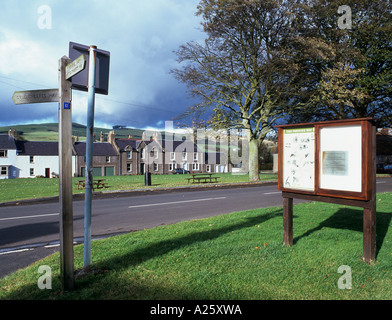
(141, 37)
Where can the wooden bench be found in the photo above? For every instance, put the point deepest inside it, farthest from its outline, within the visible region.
(97, 184)
(202, 178)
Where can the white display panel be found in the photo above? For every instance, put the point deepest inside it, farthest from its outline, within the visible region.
(341, 158)
(298, 159)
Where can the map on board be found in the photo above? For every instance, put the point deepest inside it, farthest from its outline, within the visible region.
(298, 158)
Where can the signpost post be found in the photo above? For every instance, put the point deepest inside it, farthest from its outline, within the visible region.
(89, 158)
(65, 175)
(94, 80)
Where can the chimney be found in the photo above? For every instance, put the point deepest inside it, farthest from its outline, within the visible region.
(101, 138)
(111, 137)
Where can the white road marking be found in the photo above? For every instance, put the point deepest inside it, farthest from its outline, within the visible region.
(14, 251)
(276, 192)
(52, 245)
(381, 182)
(27, 217)
(174, 202)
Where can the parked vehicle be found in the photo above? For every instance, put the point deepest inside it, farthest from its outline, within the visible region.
(388, 168)
(180, 171)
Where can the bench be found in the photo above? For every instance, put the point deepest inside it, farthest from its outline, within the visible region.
(202, 178)
(97, 184)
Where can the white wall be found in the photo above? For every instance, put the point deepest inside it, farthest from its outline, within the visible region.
(40, 164)
(10, 162)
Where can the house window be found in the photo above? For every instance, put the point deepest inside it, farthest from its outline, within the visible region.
(3, 153)
(183, 155)
(172, 156)
(185, 166)
(195, 166)
(143, 154)
(208, 168)
(172, 166)
(129, 167)
(129, 155)
(195, 156)
(155, 152)
(3, 171)
(31, 171)
(31, 159)
(107, 159)
(155, 166)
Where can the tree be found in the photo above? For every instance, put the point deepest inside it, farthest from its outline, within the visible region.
(347, 73)
(242, 72)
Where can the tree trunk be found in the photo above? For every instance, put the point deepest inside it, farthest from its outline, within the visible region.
(254, 145)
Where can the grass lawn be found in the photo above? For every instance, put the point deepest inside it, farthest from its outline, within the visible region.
(233, 256)
(32, 188)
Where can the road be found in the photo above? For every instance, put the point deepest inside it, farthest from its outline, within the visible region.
(31, 232)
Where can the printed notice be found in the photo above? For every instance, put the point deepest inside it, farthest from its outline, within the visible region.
(335, 163)
(298, 159)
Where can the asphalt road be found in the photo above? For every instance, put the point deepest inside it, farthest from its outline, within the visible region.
(30, 232)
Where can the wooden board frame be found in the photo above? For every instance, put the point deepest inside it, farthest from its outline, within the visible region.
(366, 125)
(365, 199)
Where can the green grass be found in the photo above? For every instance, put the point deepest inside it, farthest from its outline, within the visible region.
(32, 188)
(233, 256)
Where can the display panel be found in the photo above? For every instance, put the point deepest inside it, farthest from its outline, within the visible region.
(341, 158)
(330, 158)
(298, 158)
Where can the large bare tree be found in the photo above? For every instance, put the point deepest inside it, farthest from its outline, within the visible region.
(242, 72)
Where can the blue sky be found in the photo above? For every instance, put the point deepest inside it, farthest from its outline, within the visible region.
(140, 36)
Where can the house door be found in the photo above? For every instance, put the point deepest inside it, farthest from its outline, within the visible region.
(47, 172)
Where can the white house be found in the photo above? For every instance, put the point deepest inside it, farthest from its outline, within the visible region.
(39, 158)
(8, 154)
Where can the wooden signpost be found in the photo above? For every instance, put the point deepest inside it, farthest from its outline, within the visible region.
(76, 66)
(63, 96)
(332, 161)
(36, 96)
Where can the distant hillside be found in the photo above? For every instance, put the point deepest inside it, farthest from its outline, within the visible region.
(49, 132)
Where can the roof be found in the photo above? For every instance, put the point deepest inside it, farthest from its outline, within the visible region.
(99, 149)
(7, 142)
(130, 143)
(38, 148)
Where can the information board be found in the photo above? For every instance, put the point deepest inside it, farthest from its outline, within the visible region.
(330, 158)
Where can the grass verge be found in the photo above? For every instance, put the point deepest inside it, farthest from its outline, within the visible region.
(27, 188)
(233, 256)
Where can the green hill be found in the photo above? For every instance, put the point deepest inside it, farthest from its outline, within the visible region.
(49, 132)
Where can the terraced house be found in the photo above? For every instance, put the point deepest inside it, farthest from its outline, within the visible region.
(29, 159)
